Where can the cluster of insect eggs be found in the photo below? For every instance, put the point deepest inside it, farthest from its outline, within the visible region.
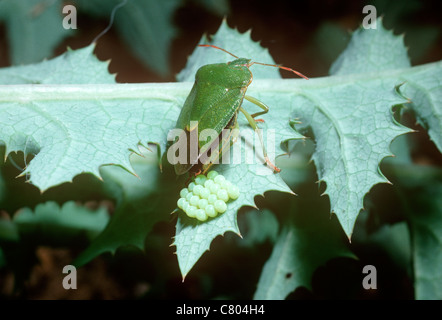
(207, 196)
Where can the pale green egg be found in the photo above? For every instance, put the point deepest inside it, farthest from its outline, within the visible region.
(194, 200)
(191, 211)
(220, 206)
(212, 174)
(201, 215)
(180, 202)
(202, 203)
(189, 195)
(210, 211)
(197, 189)
(222, 195)
(205, 193)
(184, 192)
(212, 198)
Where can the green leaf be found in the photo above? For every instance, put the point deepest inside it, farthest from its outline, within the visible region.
(219, 7)
(350, 117)
(239, 44)
(427, 241)
(423, 88)
(51, 220)
(141, 202)
(193, 238)
(8, 231)
(372, 50)
(145, 25)
(72, 67)
(52, 123)
(260, 226)
(353, 138)
(34, 28)
(301, 247)
(420, 189)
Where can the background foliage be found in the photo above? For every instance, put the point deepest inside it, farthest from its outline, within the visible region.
(293, 243)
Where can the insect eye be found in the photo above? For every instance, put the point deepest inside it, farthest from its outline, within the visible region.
(207, 196)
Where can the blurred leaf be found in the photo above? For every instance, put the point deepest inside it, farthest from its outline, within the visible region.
(259, 226)
(49, 220)
(219, 7)
(420, 189)
(394, 240)
(34, 28)
(8, 231)
(420, 40)
(145, 25)
(141, 202)
(330, 40)
(301, 247)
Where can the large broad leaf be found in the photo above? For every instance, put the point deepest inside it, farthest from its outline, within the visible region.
(69, 140)
(353, 138)
(72, 67)
(34, 28)
(299, 250)
(241, 45)
(420, 191)
(50, 220)
(193, 238)
(78, 128)
(141, 202)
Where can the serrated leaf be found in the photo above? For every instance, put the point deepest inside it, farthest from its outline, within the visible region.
(423, 87)
(50, 219)
(300, 248)
(372, 50)
(193, 238)
(239, 44)
(34, 28)
(68, 141)
(72, 67)
(351, 140)
(358, 105)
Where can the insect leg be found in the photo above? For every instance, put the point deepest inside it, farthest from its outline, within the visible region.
(255, 127)
(259, 104)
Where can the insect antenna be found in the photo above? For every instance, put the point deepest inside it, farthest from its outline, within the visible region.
(212, 46)
(111, 22)
(281, 67)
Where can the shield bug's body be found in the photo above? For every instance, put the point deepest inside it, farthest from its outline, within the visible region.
(213, 103)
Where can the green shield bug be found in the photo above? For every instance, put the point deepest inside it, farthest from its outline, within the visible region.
(213, 103)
